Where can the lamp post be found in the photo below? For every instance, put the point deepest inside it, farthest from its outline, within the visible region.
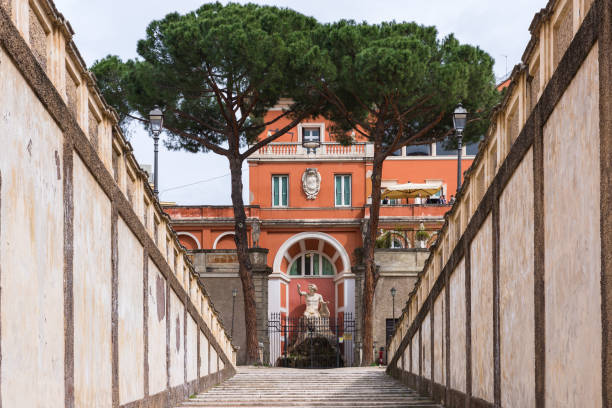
(156, 119)
(393, 292)
(459, 121)
(234, 293)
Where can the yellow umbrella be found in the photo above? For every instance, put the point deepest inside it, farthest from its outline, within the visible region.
(411, 190)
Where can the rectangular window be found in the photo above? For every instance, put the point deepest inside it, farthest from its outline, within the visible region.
(307, 265)
(343, 190)
(315, 264)
(311, 135)
(418, 150)
(280, 191)
(471, 149)
(446, 148)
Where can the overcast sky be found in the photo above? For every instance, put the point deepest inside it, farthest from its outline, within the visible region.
(113, 27)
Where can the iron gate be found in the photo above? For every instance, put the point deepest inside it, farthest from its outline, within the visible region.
(316, 342)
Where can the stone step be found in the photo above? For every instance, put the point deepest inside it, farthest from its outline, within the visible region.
(303, 388)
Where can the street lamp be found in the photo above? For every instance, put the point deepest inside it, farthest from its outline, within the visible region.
(459, 121)
(156, 119)
(234, 293)
(393, 292)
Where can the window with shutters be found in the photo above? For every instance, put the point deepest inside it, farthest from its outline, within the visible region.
(343, 190)
(280, 191)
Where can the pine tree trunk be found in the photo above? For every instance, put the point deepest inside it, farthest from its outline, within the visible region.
(371, 277)
(245, 269)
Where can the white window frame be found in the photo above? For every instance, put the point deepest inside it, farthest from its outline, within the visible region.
(302, 126)
(342, 176)
(280, 197)
(301, 258)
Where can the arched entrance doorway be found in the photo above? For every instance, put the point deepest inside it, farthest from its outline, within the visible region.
(303, 259)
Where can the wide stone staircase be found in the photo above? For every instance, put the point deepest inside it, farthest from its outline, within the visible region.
(287, 387)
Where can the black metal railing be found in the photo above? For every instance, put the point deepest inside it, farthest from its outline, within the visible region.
(314, 342)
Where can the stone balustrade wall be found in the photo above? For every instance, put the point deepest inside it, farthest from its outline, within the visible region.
(513, 305)
(99, 304)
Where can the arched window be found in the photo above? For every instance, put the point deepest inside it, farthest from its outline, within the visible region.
(396, 242)
(311, 264)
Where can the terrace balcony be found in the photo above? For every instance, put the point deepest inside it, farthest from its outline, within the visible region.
(327, 151)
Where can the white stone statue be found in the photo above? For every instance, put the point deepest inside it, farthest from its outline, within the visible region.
(255, 231)
(313, 301)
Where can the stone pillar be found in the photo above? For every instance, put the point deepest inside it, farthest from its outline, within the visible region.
(277, 283)
(359, 271)
(348, 308)
(261, 270)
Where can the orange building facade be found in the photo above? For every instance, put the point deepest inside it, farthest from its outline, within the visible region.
(310, 208)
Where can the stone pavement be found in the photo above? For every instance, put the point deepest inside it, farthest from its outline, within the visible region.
(286, 387)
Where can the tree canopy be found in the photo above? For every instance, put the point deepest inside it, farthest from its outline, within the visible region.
(401, 79)
(216, 71)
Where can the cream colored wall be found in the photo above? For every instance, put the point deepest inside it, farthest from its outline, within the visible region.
(31, 247)
(157, 330)
(192, 349)
(481, 279)
(426, 346)
(573, 244)
(517, 349)
(177, 343)
(213, 361)
(457, 327)
(415, 353)
(203, 355)
(92, 291)
(130, 315)
(37, 248)
(439, 340)
(572, 233)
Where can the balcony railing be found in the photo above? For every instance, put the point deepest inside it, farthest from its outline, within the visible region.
(402, 237)
(326, 150)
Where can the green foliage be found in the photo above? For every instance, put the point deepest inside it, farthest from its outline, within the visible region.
(395, 80)
(217, 70)
(111, 74)
(384, 240)
(421, 235)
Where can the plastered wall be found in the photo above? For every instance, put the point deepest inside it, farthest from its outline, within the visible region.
(524, 261)
(457, 328)
(516, 288)
(92, 290)
(99, 305)
(177, 344)
(573, 247)
(426, 347)
(31, 246)
(131, 316)
(156, 330)
(439, 356)
(481, 278)
(416, 358)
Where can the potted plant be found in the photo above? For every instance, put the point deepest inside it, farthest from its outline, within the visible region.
(421, 236)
